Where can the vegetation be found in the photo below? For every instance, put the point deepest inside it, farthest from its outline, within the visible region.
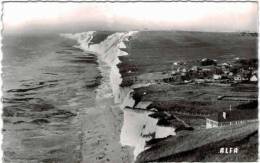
(188, 146)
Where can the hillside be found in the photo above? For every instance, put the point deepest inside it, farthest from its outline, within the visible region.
(204, 145)
(187, 77)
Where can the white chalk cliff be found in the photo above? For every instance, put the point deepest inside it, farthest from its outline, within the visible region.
(138, 126)
(107, 51)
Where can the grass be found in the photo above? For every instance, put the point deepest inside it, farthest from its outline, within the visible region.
(166, 149)
(191, 97)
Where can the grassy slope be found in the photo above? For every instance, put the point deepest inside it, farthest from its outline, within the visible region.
(187, 146)
(195, 98)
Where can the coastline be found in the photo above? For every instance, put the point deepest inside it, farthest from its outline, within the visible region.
(134, 112)
(141, 86)
(106, 118)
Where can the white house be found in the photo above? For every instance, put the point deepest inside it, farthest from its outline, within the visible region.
(225, 64)
(184, 70)
(216, 76)
(253, 78)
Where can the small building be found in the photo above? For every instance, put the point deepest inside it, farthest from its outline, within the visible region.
(206, 69)
(238, 78)
(226, 71)
(225, 64)
(234, 117)
(216, 76)
(173, 72)
(253, 78)
(237, 58)
(183, 74)
(230, 74)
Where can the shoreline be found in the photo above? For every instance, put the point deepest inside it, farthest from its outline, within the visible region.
(106, 117)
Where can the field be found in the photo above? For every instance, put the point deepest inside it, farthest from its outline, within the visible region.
(204, 145)
(196, 98)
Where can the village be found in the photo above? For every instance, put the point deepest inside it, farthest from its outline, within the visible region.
(210, 71)
(206, 71)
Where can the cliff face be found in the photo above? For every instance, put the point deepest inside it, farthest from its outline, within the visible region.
(138, 127)
(108, 52)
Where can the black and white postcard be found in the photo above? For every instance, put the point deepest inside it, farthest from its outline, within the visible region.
(129, 82)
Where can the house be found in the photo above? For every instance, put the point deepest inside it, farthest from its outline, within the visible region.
(233, 117)
(225, 64)
(184, 70)
(230, 74)
(173, 72)
(226, 71)
(238, 78)
(206, 69)
(253, 78)
(216, 76)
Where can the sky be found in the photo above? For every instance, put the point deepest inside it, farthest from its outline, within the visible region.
(75, 17)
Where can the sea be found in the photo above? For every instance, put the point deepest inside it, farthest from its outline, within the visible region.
(48, 84)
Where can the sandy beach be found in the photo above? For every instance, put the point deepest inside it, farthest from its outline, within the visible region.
(101, 135)
(59, 106)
